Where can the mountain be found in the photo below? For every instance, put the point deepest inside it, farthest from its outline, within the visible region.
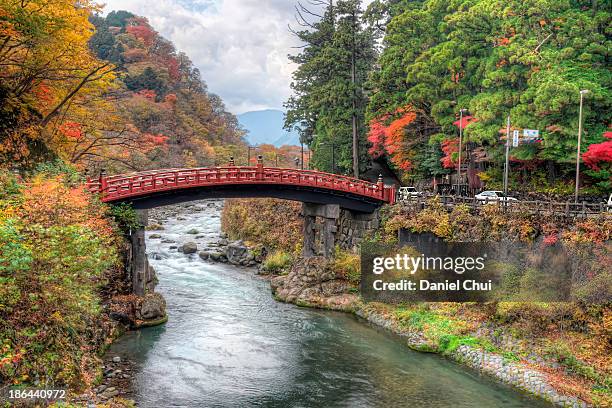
(266, 127)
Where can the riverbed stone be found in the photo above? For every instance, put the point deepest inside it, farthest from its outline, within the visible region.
(189, 248)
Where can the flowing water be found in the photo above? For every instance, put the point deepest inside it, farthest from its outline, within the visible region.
(228, 343)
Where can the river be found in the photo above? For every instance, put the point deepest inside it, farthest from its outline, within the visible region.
(228, 343)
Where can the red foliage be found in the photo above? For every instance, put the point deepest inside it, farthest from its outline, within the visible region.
(449, 147)
(465, 122)
(173, 67)
(551, 239)
(142, 30)
(599, 153)
(72, 130)
(43, 93)
(147, 94)
(151, 141)
(376, 136)
(390, 139)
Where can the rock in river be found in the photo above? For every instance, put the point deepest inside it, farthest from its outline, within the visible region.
(190, 248)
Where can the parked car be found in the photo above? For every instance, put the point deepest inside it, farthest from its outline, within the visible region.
(407, 193)
(493, 195)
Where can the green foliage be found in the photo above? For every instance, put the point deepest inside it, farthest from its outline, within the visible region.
(59, 168)
(564, 356)
(496, 57)
(125, 216)
(325, 96)
(277, 262)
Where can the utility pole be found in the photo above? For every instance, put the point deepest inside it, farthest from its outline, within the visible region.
(582, 93)
(460, 147)
(507, 163)
(302, 145)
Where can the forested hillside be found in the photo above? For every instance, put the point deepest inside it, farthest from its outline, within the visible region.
(103, 93)
(527, 59)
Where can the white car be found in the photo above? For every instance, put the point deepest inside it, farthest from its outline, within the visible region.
(493, 195)
(406, 193)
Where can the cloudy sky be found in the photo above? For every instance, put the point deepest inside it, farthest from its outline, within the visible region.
(240, 46)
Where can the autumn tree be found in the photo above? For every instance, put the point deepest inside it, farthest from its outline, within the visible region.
(44, 63)
(495, 58)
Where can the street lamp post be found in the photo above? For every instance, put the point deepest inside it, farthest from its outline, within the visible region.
(460, 146)
(582, 93)
(507, 162)
(302, 145)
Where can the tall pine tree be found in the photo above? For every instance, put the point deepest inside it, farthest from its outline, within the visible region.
(329, 102)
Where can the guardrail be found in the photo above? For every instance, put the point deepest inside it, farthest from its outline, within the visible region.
(119, 187)
(568, 208)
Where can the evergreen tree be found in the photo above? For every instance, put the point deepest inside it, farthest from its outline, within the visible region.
(525, 58)
(328, 105)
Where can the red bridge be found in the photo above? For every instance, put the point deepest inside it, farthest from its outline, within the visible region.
(161, 187)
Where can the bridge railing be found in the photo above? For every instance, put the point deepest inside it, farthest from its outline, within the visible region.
(131, 185)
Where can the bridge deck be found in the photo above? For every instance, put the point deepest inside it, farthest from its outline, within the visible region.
(127, 186)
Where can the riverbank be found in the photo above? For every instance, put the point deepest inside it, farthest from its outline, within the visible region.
(558, 352)
(313, 283)
(446, 329)
(229, 343)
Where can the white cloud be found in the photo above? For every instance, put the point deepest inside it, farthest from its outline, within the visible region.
(240, 46)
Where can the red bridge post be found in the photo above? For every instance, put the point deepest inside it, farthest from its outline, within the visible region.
(259, 172)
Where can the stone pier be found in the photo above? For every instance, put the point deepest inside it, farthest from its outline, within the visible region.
(327, 226)
(142, 274)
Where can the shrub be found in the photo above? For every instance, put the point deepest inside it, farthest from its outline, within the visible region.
(276, 224)
(277, 261)
(55, 246)
(348, 266)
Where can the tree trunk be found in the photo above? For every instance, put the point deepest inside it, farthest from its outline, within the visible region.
(354, 116)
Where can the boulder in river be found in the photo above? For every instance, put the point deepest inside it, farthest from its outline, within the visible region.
(153, 307)
(155, 236)
(189, 248)
(236, 252)
(204, 255)
(193, 231)
(155, 227)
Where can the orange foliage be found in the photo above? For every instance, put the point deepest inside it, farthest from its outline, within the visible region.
(151, 141)
(148, 94)
(72, 130)
(49, 202)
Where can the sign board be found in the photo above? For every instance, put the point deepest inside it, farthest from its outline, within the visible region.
(515, 138)
(531, 133)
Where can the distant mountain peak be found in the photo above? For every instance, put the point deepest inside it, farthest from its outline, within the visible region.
(266, 127)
